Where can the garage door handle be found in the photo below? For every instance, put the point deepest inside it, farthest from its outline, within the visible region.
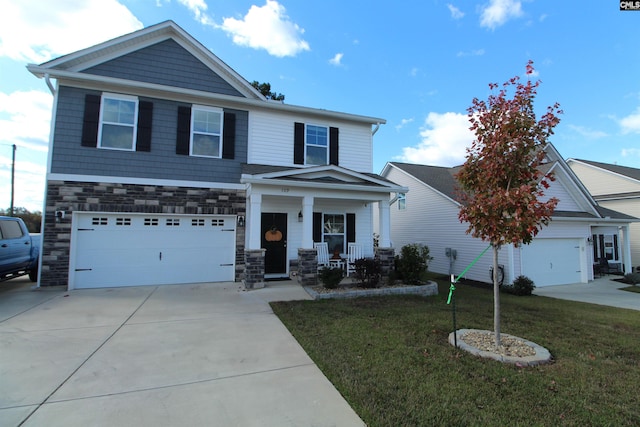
(160, 256)
(551, 265)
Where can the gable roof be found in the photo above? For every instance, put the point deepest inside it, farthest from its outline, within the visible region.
(325, 177)
(442, 179)
(69, 69)
(626, 171)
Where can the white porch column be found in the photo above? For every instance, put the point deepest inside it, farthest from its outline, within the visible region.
(385, 224)
(307, 222)
(626, 251)
(253, 222)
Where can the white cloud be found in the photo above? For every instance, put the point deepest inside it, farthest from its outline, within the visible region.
(267, 27)
(631, 123)
(336, 60)
(445, 138)
(36, 31)
(199, 10)
(588, 133)
(25, 118)
(498, 12)
(455, 12)
(24, 121)
(403, 123)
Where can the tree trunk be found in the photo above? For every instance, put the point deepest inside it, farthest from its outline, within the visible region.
(496, 297)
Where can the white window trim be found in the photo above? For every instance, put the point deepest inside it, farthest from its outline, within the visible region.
(402, 201)
(306, 144)
(344, 232)
(119, 97)
(194, 108)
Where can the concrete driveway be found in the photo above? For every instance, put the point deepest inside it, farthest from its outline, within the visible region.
(602, 291)
(183, 355)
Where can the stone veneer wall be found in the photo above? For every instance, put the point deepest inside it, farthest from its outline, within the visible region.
(69, 197)
(386, 258)
(307, 267)
(254, 269)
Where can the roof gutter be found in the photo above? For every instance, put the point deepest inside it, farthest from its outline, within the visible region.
(47, 79)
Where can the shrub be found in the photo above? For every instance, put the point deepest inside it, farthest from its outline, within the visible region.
(413, 263)
(522, 285)
(368, 272)
(331, 277)
(632, 278)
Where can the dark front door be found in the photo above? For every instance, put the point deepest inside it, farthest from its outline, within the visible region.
(274, 240)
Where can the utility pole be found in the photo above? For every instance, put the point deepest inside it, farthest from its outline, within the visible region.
(13, 177)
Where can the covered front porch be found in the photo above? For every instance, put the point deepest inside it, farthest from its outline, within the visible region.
(290, 209)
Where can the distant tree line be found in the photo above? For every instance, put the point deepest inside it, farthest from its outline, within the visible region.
(33, 220)
(265, 89)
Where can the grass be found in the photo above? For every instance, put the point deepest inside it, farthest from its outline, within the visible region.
(390, 359)
(631, 288)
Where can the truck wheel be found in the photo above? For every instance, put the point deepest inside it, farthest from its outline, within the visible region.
(33, 275)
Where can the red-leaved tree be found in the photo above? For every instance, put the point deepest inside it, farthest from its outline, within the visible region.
(502, 180)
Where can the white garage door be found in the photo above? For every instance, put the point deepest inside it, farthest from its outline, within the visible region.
(116, 249)
(552, 261)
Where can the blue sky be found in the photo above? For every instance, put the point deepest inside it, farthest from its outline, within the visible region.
(417, 64)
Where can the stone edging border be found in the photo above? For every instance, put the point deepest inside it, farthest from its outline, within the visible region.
(431, 288)
(541, 356)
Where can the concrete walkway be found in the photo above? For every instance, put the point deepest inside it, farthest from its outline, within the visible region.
(183, 355)
(602, 291)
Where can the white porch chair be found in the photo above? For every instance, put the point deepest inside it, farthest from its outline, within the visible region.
(323, 254)
(354, 253)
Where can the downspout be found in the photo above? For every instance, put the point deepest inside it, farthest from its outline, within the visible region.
(47, 79)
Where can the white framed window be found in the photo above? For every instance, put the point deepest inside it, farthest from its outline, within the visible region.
(316, 145)
(334, 232)
(206, 131)
(118, 119)
(402, 201)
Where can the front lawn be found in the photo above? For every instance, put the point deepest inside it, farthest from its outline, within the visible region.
(390, 358)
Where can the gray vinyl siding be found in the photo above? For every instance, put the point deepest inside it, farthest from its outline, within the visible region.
(165, 63)
(162, 162)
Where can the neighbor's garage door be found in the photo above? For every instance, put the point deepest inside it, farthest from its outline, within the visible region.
(552, 261)
(111, 250)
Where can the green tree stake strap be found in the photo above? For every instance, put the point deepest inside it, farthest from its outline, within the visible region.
(451, 296)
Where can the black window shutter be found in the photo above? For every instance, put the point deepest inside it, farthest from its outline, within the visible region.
(90, 121)
(615, 246)
(601, 241)
(184, 130)
(229, 137)
(333, 146)
(298, 144)
(145, 117)
(317, 226)
(351, 227)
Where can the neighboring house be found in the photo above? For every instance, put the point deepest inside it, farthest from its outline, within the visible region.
(166, 166)
(614, 187)
(561, 253)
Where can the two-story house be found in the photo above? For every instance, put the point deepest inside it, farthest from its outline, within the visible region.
(166, 166)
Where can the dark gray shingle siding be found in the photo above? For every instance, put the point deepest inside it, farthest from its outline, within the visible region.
(165, 63)
(162, 162)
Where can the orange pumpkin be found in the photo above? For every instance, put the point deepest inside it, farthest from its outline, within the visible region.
(273, 235)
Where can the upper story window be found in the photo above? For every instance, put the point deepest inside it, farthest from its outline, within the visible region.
(206, 131)
(316, 145)
(118, 118)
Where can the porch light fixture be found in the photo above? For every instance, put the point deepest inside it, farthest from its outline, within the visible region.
(240, 221)
(300, 216)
